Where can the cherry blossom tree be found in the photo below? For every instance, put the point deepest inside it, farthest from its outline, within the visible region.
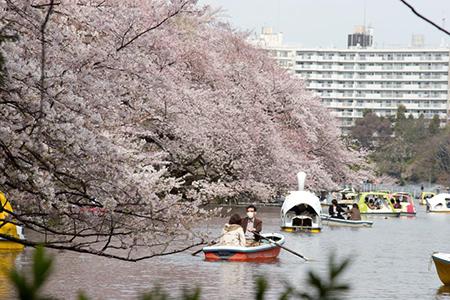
(122, 119)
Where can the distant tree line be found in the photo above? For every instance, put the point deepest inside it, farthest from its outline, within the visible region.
(407, 148)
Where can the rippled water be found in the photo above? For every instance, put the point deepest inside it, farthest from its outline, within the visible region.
(389, 261)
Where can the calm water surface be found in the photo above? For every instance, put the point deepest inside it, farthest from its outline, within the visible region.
(389, 261)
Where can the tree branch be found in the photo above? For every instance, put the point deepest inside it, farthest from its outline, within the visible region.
(168, 17)
(424, 18)
(97, 252)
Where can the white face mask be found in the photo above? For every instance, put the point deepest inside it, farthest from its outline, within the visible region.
(250, 214)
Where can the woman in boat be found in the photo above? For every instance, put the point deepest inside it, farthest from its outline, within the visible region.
(335, 211)
(233, 234)
(354, 213)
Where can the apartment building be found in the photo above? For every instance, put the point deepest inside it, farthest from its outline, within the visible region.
(358, 78)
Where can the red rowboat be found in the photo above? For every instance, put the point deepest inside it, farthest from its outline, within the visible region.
(266, 251)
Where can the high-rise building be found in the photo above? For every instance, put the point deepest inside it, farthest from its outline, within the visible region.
(350, 81)
(361, 38)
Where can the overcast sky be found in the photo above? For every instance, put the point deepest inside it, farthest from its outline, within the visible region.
(325, 23)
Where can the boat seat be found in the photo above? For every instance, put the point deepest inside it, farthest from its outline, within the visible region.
(302, 221)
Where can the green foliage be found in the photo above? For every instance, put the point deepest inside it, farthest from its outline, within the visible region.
(401, 113)
(318, 287)
(434, 126)
(328, 287)
(82, 296)
(156, 294)
(261, 288)
(41, 269)
(414, 150)
(366, 112)
(432, 160)
(371, 129)
(402, 124)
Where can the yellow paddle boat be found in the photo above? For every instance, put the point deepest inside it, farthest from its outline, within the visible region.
(424, 196)
(375, 203)
(402, 203)
(8, 228)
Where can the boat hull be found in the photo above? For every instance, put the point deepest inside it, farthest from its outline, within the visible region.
(346, 223)
(269, 254)
(393, 214)
(438, 210)
(442, 263)
(265, 252)
(10, 246)
(301, 228)
(405, 213)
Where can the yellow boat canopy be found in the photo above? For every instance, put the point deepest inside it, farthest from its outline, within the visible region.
(6, 227)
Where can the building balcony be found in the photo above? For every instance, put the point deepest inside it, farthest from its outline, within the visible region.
(371, 69)
(370, 87)
(336, 58)
(340, 77)
(376, 96)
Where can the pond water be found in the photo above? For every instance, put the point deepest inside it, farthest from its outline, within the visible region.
(391, 260)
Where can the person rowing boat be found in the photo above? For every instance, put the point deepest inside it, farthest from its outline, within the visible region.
(252, 226)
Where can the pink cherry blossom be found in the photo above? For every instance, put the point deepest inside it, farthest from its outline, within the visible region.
(121, 119)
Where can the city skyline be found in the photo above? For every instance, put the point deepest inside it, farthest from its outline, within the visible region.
(297, 20)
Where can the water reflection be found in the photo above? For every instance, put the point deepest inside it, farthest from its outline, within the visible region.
(443, 292)
(7, 262)
(232, 277)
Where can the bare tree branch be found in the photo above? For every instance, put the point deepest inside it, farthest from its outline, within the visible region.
(98, 252)
(424, 18)
(160, 23)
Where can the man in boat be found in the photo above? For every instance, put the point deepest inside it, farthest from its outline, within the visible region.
(251, 225)
(335, 210)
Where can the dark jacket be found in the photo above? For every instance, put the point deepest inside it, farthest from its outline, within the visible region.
(257, 224)
(339, 211)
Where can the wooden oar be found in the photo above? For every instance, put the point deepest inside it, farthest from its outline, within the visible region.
(201, 249)
(197, 252)
(281, 246)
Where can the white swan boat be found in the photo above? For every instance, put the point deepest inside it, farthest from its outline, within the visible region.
(301, 210)
(439, 203)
